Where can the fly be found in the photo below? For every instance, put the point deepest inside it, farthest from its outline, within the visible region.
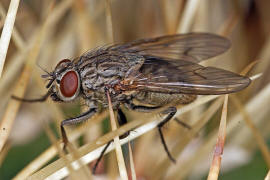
(155, 72)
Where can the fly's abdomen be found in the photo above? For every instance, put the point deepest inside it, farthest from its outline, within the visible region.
(160, 99)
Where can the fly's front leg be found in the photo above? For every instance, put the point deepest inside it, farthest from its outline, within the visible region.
(83, 117)
(122, 120)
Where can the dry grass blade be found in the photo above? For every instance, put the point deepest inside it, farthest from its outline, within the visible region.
(15, 65)
(15, 34)
(13, 105)
(60, 152)
(257, 104)
(188, 16)
(199, 101)
(256, 133)
(267, 176)
(264, 55)
(229, 24)
(52, 151)
(249, 67)
(109, 22)
(256, 76)
(7, 31)
(87, 31)
(4, 152)
(37, 163)
(131, 163)
(118, 150)
(215, 167)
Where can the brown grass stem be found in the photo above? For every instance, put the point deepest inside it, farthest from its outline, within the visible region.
(215, 167)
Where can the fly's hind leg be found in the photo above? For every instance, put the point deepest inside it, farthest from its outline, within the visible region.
(122, 120)
(170, 111)
(185, 125)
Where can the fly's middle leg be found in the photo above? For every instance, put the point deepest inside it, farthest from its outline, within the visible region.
(122, 120)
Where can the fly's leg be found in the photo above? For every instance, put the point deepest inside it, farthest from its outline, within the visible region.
(122, 120)
(100, 156)
(41, 99)
(81, 118)
(185, 125)
(170, 111)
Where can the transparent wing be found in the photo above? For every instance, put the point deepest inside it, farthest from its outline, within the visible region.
(159, 75)
(193, 47)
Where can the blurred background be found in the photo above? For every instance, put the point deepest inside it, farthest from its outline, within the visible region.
(47, 31)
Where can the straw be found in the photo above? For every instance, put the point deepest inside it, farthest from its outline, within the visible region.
(131, 163)
(20, 87)
(215, 167)
(7, 31)
(188, 16)
(256, 133)
(267, 176)
(118, 150)
(15, 34)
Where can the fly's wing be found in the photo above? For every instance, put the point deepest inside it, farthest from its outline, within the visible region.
(168, 76)
(193, 47)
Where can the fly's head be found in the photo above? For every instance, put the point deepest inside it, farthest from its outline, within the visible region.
(64, 82)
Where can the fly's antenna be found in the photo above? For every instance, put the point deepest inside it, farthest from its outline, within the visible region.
(49, 75)
(44, 70)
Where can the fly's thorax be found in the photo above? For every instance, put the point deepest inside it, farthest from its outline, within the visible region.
(101, 71)
(94, 90)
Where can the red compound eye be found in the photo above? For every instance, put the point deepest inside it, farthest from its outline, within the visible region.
(64, 61)
(69, 84)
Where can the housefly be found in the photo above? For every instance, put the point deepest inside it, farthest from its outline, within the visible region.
(154, 73)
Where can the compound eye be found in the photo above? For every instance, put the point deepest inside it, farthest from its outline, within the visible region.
(69, 84)
(62, 62)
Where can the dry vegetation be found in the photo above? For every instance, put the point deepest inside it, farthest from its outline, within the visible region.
(47, 31)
